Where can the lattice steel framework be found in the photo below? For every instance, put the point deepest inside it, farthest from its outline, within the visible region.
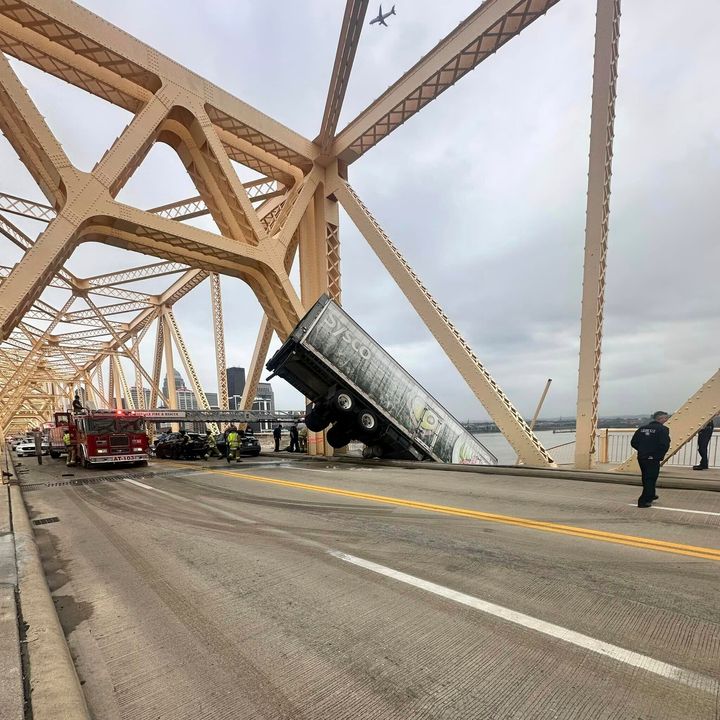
(262, 224)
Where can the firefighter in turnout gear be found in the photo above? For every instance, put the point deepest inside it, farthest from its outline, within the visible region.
(233, 445)
(212, 448)
(69, 448)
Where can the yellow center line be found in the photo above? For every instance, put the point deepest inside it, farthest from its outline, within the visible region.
(602, 535)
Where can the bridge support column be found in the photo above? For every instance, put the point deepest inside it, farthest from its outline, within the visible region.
(596, 229)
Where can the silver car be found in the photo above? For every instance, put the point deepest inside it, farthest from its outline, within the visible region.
(28, 448)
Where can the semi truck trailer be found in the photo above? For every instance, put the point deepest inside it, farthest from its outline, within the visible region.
(360, 392)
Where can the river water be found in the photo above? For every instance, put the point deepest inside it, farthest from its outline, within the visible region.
(500, 447)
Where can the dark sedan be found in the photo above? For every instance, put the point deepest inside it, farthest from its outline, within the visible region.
(175, 446)
(249, 445)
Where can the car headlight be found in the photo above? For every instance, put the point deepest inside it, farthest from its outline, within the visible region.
(101, 452)
(137, 449)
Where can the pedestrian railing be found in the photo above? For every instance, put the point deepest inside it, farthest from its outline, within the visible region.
(612, 445)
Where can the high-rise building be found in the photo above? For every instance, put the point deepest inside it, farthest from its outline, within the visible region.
(145, 394)
(264, 401)
(235, 380)
(186, 399)
(212, 399)
(179, 383)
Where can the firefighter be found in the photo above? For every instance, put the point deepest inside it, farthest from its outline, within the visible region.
(233, 445)
(212, 448)
(77, 404)
(69, 448)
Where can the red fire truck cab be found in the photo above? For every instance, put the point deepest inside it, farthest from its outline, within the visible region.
(102, 436)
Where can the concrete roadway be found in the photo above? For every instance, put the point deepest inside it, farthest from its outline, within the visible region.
(279, 588)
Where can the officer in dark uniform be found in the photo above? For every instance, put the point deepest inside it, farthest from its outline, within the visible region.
(704, 435)
(651, 441)
(277, 433)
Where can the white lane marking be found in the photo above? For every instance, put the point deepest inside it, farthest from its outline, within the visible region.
(695, 512)
(671, 672)
(628, 657)
(139, 484)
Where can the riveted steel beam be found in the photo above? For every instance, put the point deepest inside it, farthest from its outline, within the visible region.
(602, 123)
(484, 32)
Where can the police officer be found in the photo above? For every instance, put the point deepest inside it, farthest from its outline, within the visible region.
(651, 441)
(704, 435)
(277, 432)
(69, 448)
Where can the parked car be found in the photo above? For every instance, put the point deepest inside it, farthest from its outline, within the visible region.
(27, 447)
(173, 446)
(19, 441)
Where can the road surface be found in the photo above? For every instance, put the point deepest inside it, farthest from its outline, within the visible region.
(285, 589)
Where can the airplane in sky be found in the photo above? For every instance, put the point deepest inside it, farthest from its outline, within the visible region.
(381, 18)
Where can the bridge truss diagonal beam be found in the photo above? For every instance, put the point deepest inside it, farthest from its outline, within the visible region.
(501, 410)
(687, 420)
(31, 138)
(352, 25)
(479, 36)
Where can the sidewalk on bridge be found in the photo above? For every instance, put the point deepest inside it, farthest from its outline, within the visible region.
(12, 700)
(51, 687)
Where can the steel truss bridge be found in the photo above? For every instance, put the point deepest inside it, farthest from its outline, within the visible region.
(48, 349)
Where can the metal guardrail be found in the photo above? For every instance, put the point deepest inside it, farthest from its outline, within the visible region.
(612, 445)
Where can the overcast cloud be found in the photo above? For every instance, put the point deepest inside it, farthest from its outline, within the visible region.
(483, 191)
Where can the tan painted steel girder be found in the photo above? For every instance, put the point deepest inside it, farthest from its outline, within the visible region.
(352, 26)
(501, 410)
(70, 42)
(475, 39)
(26, 208)
(596, 229)
(207, 127)
(688, 419)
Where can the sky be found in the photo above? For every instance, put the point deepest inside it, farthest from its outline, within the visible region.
(484, 191)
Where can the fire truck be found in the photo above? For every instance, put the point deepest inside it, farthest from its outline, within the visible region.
(101, 437)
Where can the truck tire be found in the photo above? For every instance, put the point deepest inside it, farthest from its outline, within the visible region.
(54, 455)
(317, 419)
(339, 436)
(343, 401)
(372, 451)
(367, 423)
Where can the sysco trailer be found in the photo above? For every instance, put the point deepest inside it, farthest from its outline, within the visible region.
(365, 395)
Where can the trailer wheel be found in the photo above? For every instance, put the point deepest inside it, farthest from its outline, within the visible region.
(338, 435)
(372, 451)
(343, 401)
(367, 423)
